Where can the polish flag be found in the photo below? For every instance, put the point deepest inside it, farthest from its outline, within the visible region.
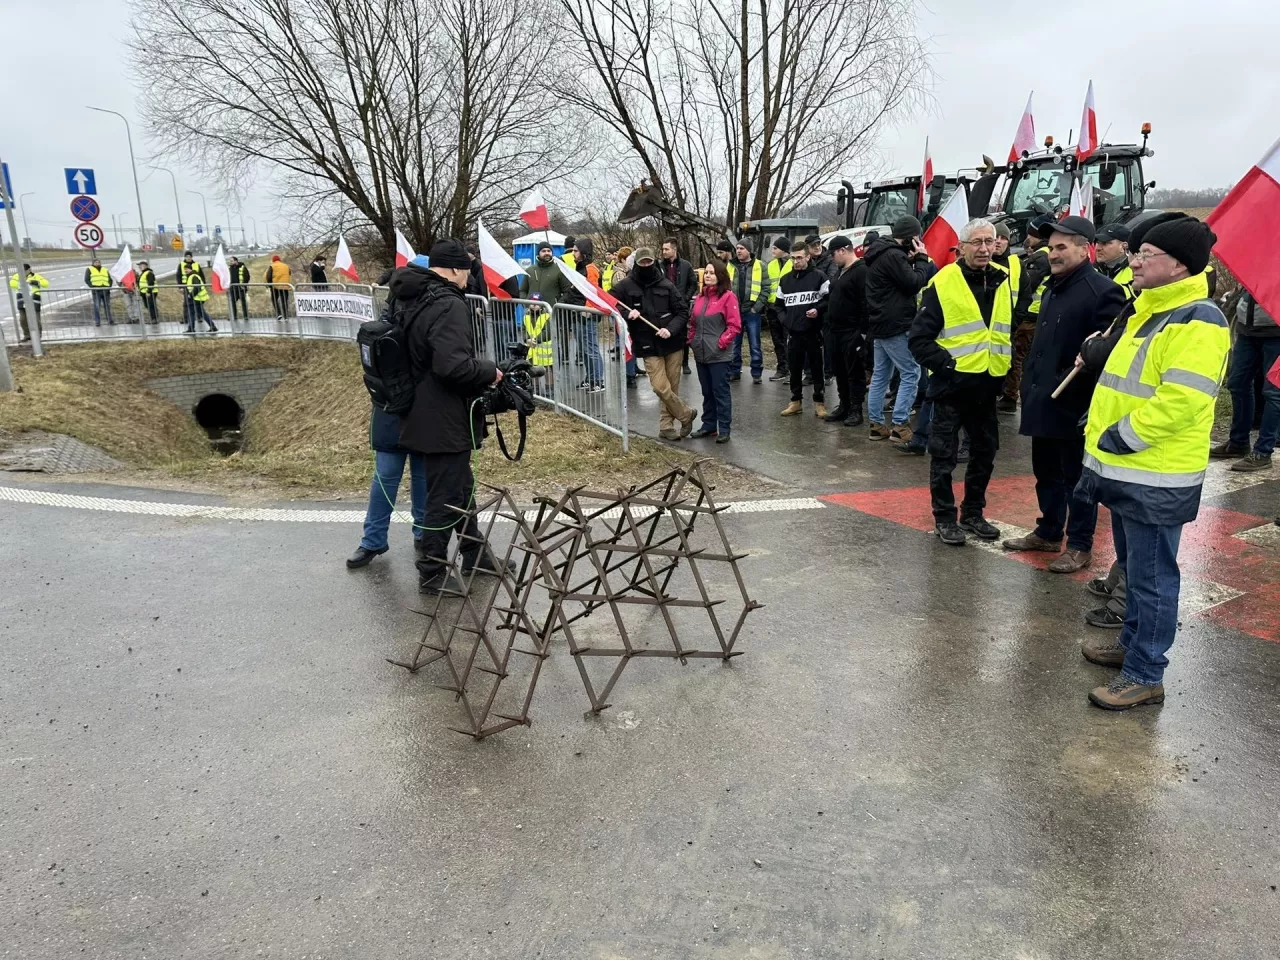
(1081, 204)
(926, 176)
(1247, 223)
(601, 300)
(1088, 140)
(122, 272)
(944, 233)
(404, 252)
(342, 261)
(534, 211)
(1025, 138)
(221, 279)
(497, 263)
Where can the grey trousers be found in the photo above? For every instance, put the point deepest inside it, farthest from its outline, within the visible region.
(1115, 582)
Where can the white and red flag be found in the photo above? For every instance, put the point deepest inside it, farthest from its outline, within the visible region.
(220, 282)
(926, 176)
(1025, 138)
(1247, 223)
(342, 261)
(944, 233)
(1087, 142)
(602, 301)
(534, 211)
(1081, 204)
(498, 265)
(122, 272)
(404, 252)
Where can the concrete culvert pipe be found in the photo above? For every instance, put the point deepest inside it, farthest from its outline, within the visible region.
(221, 418)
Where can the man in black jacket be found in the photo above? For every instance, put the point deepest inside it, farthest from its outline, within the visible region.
(680, 273)
(1078, 301)
(847, 323)
(658, 318)
(750, 284)
(822, 261)
(967, 368)
(318, 276)
(1032, 283)
(445, 423)
(802, 294)
(897, 269)
(239, 288)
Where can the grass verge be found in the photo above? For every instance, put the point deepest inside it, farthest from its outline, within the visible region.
(309, 436)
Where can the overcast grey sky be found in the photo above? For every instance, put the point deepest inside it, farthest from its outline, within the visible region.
(1206, 75)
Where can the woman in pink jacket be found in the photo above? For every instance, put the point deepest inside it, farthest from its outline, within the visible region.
(714, 323)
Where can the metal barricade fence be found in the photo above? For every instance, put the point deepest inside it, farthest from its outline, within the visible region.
(591, 368)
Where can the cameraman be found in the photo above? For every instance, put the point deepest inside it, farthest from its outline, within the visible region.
(445, 423)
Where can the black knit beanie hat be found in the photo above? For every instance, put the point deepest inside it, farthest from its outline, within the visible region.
(449, 253)
(1187, 240)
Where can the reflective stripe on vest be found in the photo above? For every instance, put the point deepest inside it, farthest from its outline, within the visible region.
(146, 281)
(195, 283)
(1125, 279)
(776, 273)
(1015, 274)
(753, 292)
(976, 347)
(541, 354)
(99, 277)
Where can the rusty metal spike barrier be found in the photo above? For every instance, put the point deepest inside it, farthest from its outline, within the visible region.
(631, 545)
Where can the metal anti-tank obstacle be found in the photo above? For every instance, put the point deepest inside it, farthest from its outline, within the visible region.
(583, 553)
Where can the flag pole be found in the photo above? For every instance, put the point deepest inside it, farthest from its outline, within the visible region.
(1080, 361)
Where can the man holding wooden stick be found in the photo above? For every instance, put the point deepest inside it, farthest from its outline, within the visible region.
(1078, 301)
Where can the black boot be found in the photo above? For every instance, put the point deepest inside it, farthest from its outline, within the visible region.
(838, 414)
(363, 557)
(854, 419)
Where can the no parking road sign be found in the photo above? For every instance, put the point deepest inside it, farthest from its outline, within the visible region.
(89, 235)
(85, 209)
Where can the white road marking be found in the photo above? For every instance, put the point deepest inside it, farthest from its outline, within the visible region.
(1266, 535)
(1221, 479)
(48, 498)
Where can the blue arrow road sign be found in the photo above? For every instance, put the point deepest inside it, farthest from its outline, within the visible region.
(80, 180)
(217, 230)
(179, 228)
(8, 185)
(159, 228)
(199, 228)
(85, 209)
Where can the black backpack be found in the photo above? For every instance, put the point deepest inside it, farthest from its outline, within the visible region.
(384, 355)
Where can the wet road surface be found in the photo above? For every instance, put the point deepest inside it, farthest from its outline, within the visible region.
(205, 753)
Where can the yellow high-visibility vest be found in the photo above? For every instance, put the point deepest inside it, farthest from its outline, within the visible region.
(976, 347)
(606, 278)
(776, 273)
(1125, 279)
(195, 283)
(753, 291)
(537, 326)
(34, 281)
(99, 277)
(147, 281)
(1156, 395)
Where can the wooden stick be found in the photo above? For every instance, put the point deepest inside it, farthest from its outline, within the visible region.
(1080, 363)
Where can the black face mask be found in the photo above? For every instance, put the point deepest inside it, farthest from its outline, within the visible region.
(647, 274)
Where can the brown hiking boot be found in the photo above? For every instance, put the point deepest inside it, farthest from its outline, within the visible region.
(880, 432)
(792, 408)
(1071, 561)
(1106, 652)
(900, 434)
(820, 410)
(686, 425)
(1122, 694)
(1032, 542)
(669, 434)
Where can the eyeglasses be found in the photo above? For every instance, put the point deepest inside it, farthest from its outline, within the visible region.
(981, 242)
(1142, 255)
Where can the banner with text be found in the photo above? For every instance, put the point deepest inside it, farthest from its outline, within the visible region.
(318, 303)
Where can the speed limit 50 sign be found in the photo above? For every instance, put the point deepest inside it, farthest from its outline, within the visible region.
(89, 235)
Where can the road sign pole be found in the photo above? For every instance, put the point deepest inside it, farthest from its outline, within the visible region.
(23, 288)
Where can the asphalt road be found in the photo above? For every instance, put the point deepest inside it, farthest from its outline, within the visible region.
(206, 755)
(71, 276)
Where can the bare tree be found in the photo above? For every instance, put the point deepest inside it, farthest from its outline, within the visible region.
(746, 109)
(410, 113)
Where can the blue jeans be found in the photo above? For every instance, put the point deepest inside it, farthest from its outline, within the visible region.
(101, 304)
(589, 337)
(717, 399)
(751, 328)
(891, 353)
(1148, 555)
(1247, 356)
(388, 470)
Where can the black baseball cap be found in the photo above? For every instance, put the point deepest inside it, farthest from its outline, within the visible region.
(838, 243)
(1112, 231)
(1075, 226)
(812, 238)
(1042, 225)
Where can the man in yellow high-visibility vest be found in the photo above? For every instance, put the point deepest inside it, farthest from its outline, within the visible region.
(99, 282)
(1147, 444)
(36, 283)
(779, 266)
(1113, 256)
(962, 334)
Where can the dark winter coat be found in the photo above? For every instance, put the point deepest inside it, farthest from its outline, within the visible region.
(1074, 306)
(318, 274)
(546, 282)
(894, 278)
(946, 382)
(1035, 270)
(799, 292)
(680, 272)
(476, 283)
(659, 301)
(847, 304)
(826, 265)
(239, 274)
(584, 266)
(442, 352)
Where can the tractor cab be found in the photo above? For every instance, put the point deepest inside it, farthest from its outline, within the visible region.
(762, 233)
(881, 202)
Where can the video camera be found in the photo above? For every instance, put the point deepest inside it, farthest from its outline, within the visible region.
(514, 392)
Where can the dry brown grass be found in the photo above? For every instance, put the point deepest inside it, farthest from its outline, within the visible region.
(309, 436)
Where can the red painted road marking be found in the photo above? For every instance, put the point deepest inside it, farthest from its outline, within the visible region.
(1210, 549)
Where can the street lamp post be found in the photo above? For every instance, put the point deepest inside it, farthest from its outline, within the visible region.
(206, 212)
(23, 210)
(120, 217)
(181, 232)
(137, 191)
(255, 230)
